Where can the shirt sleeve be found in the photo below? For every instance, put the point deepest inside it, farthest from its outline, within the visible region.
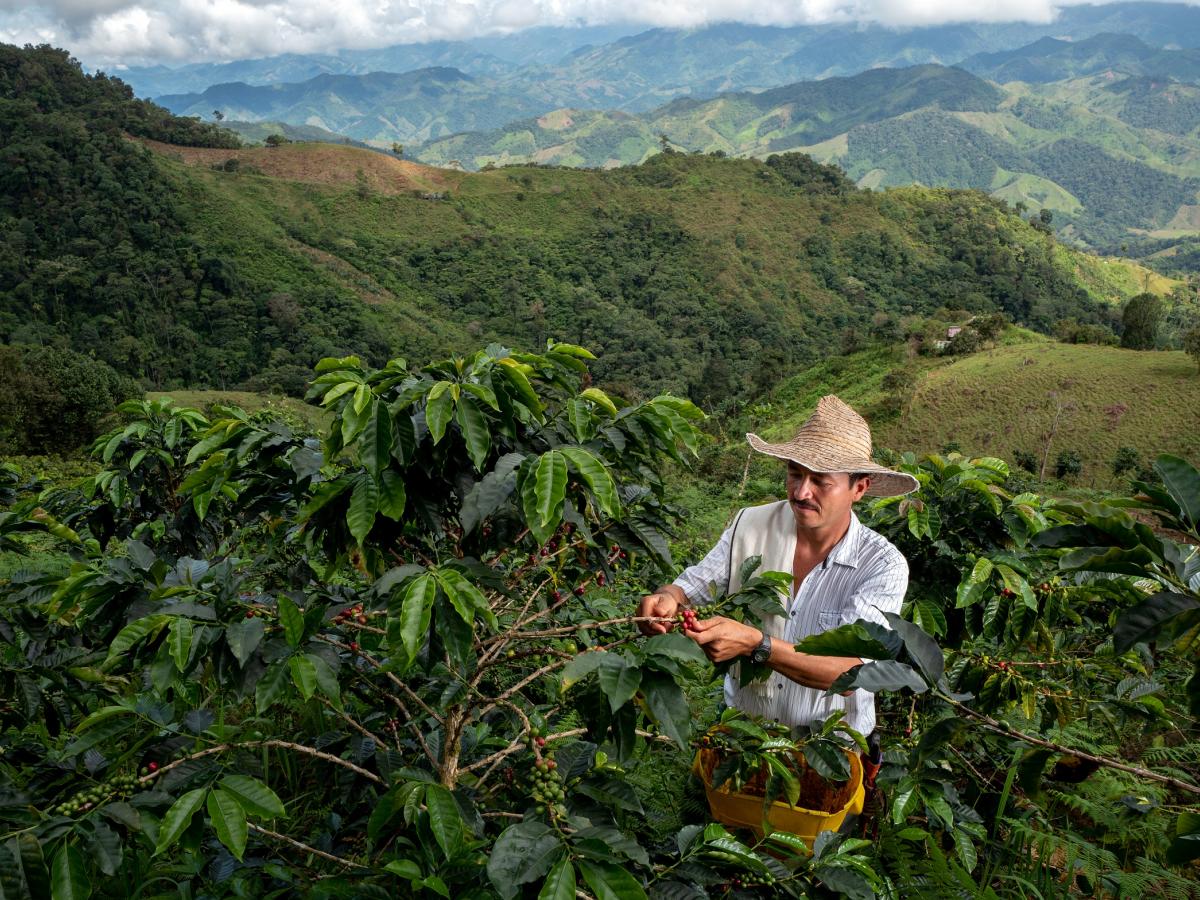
(696, 581)
(881, 591)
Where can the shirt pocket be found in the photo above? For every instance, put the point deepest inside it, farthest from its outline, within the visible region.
(829, 618)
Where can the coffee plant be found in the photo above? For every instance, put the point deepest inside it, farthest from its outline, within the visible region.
(399, 658)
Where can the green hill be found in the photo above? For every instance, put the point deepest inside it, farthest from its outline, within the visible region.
(378, 107)
(1017, 396)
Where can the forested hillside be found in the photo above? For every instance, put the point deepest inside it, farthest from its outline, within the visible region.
(703, 275)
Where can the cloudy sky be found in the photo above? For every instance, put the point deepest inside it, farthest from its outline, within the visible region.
(109, 32)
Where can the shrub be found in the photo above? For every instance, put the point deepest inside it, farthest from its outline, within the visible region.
(1070, 331)
(1067, 464)
(1127, 459)
(965, 342)
(1026, 460)
(1191, 343)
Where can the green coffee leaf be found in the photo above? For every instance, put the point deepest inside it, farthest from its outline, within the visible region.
(229, 821)
(292, 621)
(445, 820)
(178, 818)
(550, 487)
(560, 883)
(364, 505)
(304, 675)
(476, 432)
(68, 875)
(254, 796)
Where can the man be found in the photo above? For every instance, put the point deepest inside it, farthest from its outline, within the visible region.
(841, 571)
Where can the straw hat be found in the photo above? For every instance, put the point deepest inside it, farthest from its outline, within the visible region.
(837, 439)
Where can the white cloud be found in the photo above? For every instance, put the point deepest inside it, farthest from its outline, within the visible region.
(108, 32)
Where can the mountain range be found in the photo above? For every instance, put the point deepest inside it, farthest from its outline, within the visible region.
(585, 68)
(1109, 155)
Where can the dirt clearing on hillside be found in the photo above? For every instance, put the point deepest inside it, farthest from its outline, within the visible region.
(314, 163)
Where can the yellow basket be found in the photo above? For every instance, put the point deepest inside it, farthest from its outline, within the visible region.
(746, 810)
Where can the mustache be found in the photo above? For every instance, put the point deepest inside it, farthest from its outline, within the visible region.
(803, 504)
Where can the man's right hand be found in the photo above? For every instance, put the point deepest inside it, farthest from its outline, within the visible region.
(663, 604)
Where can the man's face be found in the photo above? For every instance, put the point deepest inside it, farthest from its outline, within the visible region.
(822, 499)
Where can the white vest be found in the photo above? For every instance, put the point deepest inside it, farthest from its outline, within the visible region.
(769, 531)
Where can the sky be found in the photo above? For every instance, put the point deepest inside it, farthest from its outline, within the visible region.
(128, 32)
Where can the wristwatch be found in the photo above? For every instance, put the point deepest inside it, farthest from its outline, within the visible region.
(762, 652)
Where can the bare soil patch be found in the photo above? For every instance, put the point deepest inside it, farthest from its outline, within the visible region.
(315, 163)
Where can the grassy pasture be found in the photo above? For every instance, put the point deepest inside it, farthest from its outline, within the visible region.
(1103, 398)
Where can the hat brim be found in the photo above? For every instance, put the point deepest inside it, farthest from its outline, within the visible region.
(885, 482)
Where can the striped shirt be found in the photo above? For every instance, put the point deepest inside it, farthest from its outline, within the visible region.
(863, 577)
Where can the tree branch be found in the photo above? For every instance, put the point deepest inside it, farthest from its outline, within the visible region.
(302, 846)
(247, 745)
(994, 725)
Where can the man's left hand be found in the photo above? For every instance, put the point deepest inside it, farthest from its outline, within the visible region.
(722, 639)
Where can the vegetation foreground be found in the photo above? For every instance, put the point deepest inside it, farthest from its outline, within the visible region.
(400, 660)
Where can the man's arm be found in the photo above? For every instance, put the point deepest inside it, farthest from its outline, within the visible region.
(691, 586)
(722, 639)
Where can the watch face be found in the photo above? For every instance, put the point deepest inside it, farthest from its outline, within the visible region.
(762, 652)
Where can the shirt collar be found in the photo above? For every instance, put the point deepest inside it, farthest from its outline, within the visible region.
(845, 551)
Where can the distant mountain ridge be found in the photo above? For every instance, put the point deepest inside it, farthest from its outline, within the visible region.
(1051, 59)
(741, 123)
(381, 106)
(488, 55)
(588, 68)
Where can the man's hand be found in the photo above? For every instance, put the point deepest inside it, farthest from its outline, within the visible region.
(721, 638)
(664, 604)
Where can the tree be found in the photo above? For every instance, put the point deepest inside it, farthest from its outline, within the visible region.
(218, 116)
(1191, 343)
(397, 149)
(52, 400)
(1140, 320)
(900, 385)
(275, 140)
(989, 326)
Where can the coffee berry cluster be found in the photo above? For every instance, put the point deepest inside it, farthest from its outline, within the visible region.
(687, 618)
(751, 881)
(120, 786)
(547, 789)
(351, 613)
